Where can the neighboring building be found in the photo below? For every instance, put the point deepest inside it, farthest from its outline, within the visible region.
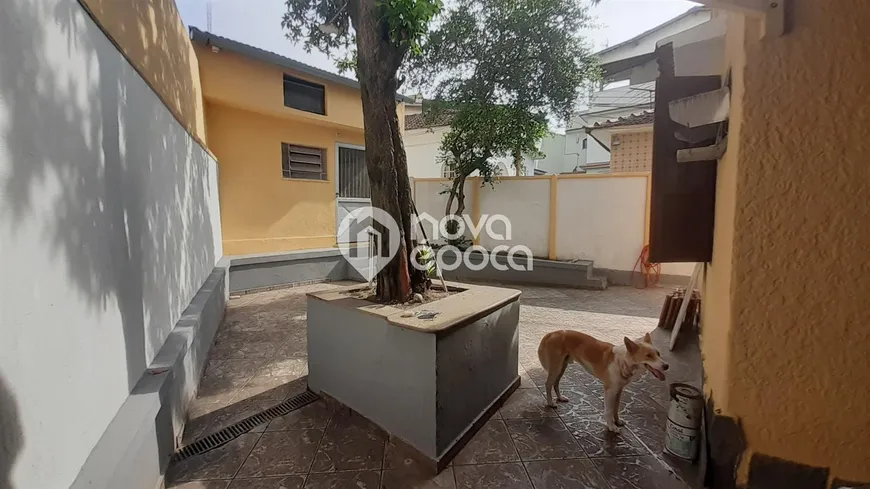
(423, 142)
(628, 90)
(289, 138)
(630, 139)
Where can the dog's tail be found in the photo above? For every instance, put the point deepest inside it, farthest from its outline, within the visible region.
(542, 350)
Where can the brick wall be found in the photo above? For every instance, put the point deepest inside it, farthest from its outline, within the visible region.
(633, 153)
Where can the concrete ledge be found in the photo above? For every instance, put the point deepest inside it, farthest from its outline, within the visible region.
(251, 272)
(134, 450)
(544, 272)
(623, 277)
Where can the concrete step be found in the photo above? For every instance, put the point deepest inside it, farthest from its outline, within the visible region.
(579, 274)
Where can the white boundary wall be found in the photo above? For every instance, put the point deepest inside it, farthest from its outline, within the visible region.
(109, 225)
(602, 218)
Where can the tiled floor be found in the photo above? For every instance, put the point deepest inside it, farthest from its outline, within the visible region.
(259, 359)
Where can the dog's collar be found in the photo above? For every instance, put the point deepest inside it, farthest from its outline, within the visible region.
(626, 370)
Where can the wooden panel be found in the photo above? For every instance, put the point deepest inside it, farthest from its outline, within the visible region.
(682, 194)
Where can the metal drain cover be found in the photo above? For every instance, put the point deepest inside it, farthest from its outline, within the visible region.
(230, 433)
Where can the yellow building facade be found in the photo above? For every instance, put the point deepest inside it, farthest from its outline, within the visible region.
(249, 126)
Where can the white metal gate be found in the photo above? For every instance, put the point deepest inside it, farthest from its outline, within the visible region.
(352, 191)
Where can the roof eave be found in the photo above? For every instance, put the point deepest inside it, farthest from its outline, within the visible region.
(205, 38)
(651, 31)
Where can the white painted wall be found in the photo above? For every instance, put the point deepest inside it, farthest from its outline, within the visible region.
(526, 203)
(430, 200)
(422, 148)
(601, 219)
(109, 224)
(557, 159)
(575, 153)
(597, 218)
(596, 153)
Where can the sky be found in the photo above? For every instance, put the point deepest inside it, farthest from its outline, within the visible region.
(258, 23)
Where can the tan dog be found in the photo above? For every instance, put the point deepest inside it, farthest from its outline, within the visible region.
(614, 365)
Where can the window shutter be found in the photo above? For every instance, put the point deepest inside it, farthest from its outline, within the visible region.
(285, 159)
(303, 162)
(682, 193)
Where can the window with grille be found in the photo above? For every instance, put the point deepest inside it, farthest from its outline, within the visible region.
(447, 170)
(353, 177)
(303, 162)
(303, 95)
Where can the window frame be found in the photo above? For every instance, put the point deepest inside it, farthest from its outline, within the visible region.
(287, 171)
(309, 84)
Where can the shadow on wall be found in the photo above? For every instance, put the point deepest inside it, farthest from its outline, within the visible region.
(152, 35)
(11, 436)
(116, 188)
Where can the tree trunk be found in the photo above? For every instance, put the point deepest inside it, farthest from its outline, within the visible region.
(452, 195)
(378, 61)
(518, 163)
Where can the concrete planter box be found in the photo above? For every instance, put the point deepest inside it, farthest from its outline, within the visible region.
(429, 383)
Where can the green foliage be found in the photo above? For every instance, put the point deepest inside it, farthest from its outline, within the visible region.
(302, 22)
(404, 21)
(505, 67)
(480, 132)
(525, 53)
(408, 20)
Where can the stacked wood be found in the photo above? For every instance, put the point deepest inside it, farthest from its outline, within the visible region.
(671, 308)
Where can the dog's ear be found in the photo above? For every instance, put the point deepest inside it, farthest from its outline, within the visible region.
(647, 339)
(630, 345)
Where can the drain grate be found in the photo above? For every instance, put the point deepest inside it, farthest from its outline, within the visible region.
(230, 433)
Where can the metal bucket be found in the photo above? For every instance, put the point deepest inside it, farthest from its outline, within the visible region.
(682, 434)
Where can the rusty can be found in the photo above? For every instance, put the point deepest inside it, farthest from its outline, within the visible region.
(683, 430)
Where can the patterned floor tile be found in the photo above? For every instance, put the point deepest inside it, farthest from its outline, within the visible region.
(597, 441)
(282, 453)
(638, 473)
(583, 400)
(565, 474)
(491, 444)
(199, 485)
(526, 403)
(543, 439)
(413, 478)
(351, 443)
(286, 482)
(369, 479)
(649, 428)
(492, 476)
(399, 455)
(259, 359)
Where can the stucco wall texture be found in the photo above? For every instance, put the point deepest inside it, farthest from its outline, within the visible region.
(796, 332)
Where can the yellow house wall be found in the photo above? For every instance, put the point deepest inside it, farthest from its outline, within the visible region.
(786, 323)
(238, 81)
(716, 306)
(151, 35)
(262, 212)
